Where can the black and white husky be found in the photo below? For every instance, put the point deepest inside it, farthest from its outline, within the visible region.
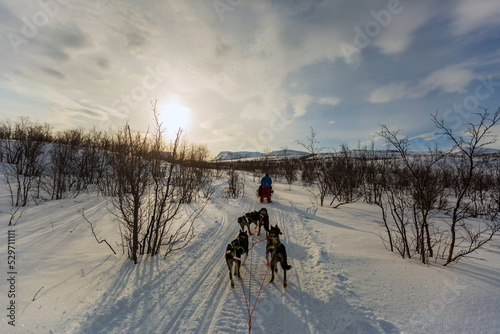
(260, 218)
(278, 253)
(234, 251)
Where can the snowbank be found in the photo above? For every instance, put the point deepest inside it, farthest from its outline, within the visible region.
(343, 280)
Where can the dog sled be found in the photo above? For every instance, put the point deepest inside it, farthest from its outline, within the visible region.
(258, 192)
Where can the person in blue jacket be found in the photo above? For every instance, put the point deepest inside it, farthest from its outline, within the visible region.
(266, 188)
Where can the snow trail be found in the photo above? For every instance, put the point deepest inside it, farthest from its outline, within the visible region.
(341, 280)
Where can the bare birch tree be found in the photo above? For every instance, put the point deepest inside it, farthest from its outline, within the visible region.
(466, 149)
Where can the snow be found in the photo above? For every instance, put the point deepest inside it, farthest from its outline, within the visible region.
(227, 155)
(242, 155)
(343, 280)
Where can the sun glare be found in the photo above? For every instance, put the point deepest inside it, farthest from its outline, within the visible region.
(174, 116)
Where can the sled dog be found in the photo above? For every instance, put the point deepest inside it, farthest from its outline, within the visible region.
(260, 218)
(278, 253)
(234, 251)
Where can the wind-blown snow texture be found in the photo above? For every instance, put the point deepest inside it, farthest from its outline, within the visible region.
(343, 280)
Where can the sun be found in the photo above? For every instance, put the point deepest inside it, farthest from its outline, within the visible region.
(174, 115)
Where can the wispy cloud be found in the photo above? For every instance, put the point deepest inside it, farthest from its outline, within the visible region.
(53, 73)
(470, 16)
(399, 33)
(265, 64)
(451, 79)
(333, 101)
(425, 136)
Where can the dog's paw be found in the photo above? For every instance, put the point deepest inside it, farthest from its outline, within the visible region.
(285, 285)
(232, 285)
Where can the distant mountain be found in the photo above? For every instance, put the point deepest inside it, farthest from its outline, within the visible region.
(288, 152)
(227, 155)
(481, 150)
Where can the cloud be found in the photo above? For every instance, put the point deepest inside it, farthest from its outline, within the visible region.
(88, 113)
(425, 136)
(135, 41)
(237, 74)
(53, 73)
(5, 77)
(389, 93)
(470, 16)
(300, 104)
(69, 36)
(398, 35)
(104, 63)
(333, 101)
(451, 79)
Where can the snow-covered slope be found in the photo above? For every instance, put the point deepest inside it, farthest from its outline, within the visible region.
(342, 280)
(227, 155)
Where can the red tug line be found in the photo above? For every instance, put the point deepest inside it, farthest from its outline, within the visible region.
(263, 280)
(258, 294)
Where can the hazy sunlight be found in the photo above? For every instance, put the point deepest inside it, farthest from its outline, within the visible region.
(174, 116)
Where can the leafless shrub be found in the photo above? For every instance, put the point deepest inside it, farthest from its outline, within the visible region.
(235, 185)
(153, 183)
(477, 135)
(25, 157)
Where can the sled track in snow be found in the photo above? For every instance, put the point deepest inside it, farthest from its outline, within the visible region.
(300, 243)
(186, 310)
(208, 290)
(285, 221)
(208, 303)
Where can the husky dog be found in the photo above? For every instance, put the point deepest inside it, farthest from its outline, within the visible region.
(278, 253)
(234, 251)
(260, 218)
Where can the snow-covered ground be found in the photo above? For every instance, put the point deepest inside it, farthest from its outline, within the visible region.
(343, 280)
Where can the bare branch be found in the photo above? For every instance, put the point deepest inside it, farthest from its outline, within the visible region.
(91, 226)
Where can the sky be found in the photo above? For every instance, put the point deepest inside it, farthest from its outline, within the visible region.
(253, 75)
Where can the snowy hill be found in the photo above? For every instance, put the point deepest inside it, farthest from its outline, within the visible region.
(481, 150)
(343, 280)
(227, 155)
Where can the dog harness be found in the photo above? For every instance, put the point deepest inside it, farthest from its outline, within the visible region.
(272, 247)
(249, 220)
(237, 246)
